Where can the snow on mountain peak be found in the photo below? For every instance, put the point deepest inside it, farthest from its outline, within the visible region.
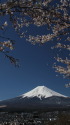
(41, 92)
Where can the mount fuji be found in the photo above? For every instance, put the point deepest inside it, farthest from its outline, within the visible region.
(41, 92)
(40, 98)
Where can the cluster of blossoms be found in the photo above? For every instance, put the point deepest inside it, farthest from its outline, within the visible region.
(4, 25)
(7, 44)
(62, 70)
(38, 13)
(55, 15)
(3, 48)
(59, 45)
(41, 39)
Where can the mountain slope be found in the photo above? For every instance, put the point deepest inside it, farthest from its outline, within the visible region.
(41, 98)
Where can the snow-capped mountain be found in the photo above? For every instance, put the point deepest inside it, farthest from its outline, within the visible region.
(40, 98)
(41, 92)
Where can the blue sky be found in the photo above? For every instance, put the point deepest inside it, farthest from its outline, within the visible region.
(35, 66)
